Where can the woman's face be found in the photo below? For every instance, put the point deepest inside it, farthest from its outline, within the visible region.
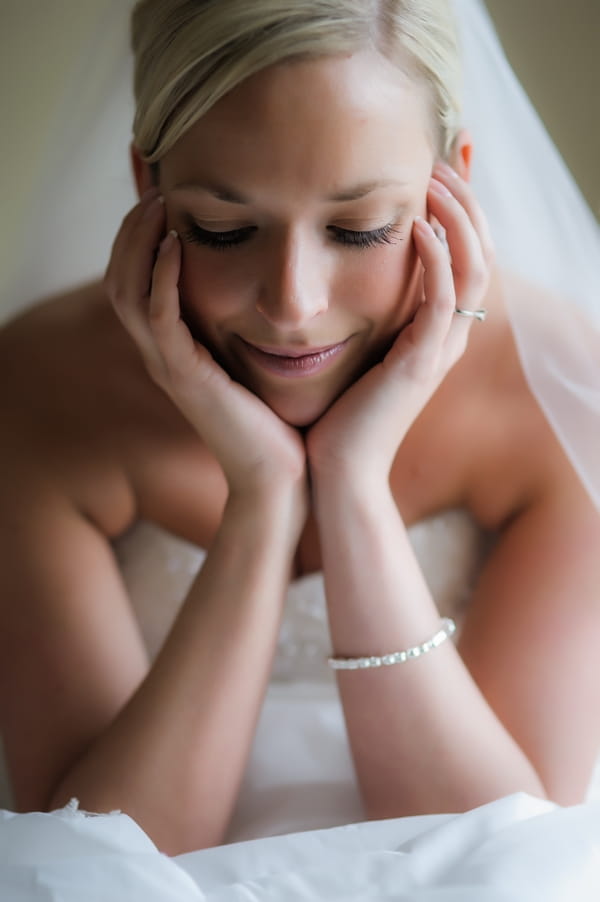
(294, 198)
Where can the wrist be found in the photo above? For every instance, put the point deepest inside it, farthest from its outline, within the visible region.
(348, 481)
(265, 478)
(280, 507)
(349, 493)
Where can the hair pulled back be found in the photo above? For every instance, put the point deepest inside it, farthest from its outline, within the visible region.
(190, 53)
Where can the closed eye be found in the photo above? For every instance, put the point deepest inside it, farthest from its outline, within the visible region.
(220, 241)
(389, 234)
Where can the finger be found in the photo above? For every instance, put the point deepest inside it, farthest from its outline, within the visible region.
(433, 319)
(164, 309)
(466, 197)
(471, 272)
(187, 363)
(132, 265)
(123, 235)
(142, 247)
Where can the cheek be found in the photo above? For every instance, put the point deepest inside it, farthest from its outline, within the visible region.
(379, 280)
(211, 287)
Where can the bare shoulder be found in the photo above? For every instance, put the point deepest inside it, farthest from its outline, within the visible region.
(89, 446)
(529, 637)
(82, 413)
(56, 399)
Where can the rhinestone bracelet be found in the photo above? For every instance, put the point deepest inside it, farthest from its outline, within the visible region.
(448, 626)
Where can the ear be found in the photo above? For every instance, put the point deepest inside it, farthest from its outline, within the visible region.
(142, 171)
(461, 154)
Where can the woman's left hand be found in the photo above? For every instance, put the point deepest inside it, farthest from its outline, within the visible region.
(361, 433)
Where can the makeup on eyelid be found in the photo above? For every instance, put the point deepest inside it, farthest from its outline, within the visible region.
(331, 273)
(225, 238)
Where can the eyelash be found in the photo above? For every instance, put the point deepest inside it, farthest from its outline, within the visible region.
(222, 241)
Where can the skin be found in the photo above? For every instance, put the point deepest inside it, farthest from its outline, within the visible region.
(171, 423)
(292, 284)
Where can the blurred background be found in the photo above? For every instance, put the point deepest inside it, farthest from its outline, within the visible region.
(553, 46)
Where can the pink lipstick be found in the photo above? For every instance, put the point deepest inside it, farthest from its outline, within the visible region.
(294, 362)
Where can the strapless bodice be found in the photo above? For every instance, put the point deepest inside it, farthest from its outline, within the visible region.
(299, 774)
(158, 569)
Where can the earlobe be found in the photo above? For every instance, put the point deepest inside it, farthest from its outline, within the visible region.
(142, 172)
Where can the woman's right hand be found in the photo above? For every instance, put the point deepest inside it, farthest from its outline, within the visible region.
(255, 448)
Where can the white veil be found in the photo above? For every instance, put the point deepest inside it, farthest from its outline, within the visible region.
(545, 234)
(543, 231)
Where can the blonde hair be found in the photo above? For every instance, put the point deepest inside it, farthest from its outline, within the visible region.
(190, 53)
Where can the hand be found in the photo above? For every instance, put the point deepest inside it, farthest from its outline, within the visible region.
(361, 433)
(254, 447)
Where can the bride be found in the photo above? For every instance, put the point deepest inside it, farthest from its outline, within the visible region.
(301, 348)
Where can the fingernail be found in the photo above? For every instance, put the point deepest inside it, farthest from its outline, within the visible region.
(149, 194)
(438, 188)
(168, 242)
(446, 169)
(154, 206)
(424, 225)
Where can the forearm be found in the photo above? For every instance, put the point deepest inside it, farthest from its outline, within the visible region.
(423, 736)
(174, 756)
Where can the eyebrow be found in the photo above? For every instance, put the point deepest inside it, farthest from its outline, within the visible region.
(230, 196)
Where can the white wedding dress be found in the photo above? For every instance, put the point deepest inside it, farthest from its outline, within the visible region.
(298, 831)
(299, 775)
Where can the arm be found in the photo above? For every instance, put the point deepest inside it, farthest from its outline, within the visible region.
(82, 716)
(174, 756)
(456, 727)
(510, 710)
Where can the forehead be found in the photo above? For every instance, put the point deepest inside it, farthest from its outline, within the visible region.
(314, 124)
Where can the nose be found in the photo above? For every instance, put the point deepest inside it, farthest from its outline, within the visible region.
(294, 287)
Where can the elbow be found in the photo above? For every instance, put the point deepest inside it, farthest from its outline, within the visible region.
(172, 834)
(452, 803)
(180, 838)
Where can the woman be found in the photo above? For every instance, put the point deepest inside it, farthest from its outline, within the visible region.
(292, 379)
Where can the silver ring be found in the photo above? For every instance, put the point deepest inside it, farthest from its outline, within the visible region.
(478, 314)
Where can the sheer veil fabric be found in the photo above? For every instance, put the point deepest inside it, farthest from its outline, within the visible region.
(545, 235)
(547, 242)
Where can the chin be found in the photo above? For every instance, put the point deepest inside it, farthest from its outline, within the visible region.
(294, 413)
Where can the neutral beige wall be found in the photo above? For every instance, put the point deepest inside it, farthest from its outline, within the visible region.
(554, 46)
(36, 44)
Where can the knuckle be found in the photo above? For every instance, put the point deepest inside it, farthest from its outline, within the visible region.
(446, 303)
(108, 283)
(489, 253)
(178, 377)
(159, 323)
(418, 367)
(479, 275)
(155, 369)
(156, 318)
(118, 295)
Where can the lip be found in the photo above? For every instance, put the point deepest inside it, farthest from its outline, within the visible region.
(294, 352)
(294, 362)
